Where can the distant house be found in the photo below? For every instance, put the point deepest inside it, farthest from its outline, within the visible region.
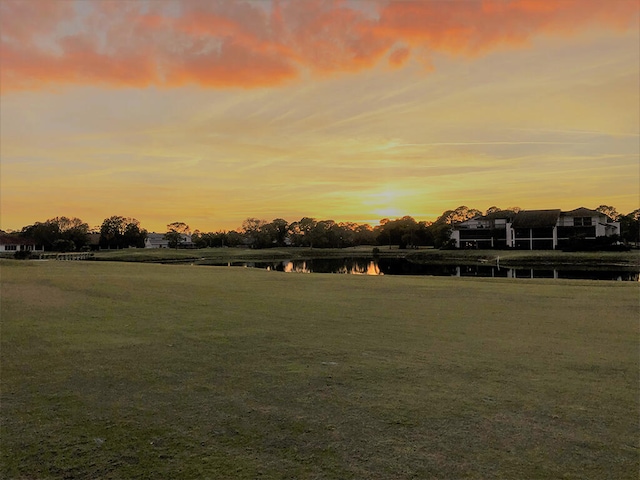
(157, 240)
(94, 241)
(14, 243)
(533, 229)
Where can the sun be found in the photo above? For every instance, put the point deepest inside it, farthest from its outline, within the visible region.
(385, 203)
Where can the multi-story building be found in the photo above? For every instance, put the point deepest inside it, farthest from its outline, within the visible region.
(533, 229)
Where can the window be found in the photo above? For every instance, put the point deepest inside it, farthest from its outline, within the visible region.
(10, 247)
(581, 221)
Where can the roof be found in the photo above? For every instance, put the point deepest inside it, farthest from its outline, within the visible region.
(156, 236)
(505, 214)
(499, 214)
(94, 238)
(7, 239)
(583, 212)
(536, 218)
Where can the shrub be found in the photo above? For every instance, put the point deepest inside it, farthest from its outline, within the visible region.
(22, 255)
(448, 245)
(63, 246)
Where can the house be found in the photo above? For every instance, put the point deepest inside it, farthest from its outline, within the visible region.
(157, 240)
(94, 240)
(533, 229)
(13, 243)
(488, 231)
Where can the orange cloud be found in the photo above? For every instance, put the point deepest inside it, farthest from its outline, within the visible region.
(473, 28)
(252, 44)
(398, 57)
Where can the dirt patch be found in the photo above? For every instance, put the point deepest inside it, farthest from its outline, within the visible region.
(38, 296)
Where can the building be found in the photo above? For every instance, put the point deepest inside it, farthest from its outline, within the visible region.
(14, 243)
(488, 231)
(94, 241)
(158, 240)
(533, 229)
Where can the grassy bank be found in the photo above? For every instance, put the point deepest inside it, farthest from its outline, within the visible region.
(525, 258)
(129, 370)
(507, 258)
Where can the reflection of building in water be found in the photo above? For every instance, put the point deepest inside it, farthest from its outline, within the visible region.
(402, 266)
(295, 267)
(533, 229)
(373, 269)
(555, 273)
(368, 268)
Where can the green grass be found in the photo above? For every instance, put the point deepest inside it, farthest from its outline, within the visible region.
(530, 258)
(133, 370)
(238, 254)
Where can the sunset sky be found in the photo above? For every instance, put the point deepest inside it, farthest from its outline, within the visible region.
(209, 112)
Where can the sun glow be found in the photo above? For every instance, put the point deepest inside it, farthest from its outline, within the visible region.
(395, 202)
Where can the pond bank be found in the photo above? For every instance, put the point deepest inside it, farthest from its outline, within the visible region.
(506, 258)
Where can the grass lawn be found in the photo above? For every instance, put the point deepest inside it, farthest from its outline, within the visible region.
(134, 371)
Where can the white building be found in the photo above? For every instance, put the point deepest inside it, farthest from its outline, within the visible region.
(157, 240)
(533, 229)
(14, 243)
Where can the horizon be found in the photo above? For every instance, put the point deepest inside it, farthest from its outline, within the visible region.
(95, 228)
(209, 114)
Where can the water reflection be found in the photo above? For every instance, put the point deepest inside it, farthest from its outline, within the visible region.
(400, 266)
(350, 266)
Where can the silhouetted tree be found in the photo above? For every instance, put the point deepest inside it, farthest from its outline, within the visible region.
(121, 232)
(176, 232)
(609, 211)
(441, 228)
(630, 227)
(301, 232)
(403, 232)
(254, 232)
(364, 235)
(50, 234)
(42, 233)
(276, 232)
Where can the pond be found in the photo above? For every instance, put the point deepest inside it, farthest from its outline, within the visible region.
(401, 266)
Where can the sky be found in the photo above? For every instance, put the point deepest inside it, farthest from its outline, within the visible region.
(210, 112)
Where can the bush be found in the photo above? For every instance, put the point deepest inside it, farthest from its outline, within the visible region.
(63, 246)
(22, 255)
(599, 244)
(448, 245)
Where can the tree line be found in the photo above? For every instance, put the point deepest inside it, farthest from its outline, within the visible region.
(72, 234)
(64, 234)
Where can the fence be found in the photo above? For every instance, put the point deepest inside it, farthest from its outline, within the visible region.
(63, 256)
